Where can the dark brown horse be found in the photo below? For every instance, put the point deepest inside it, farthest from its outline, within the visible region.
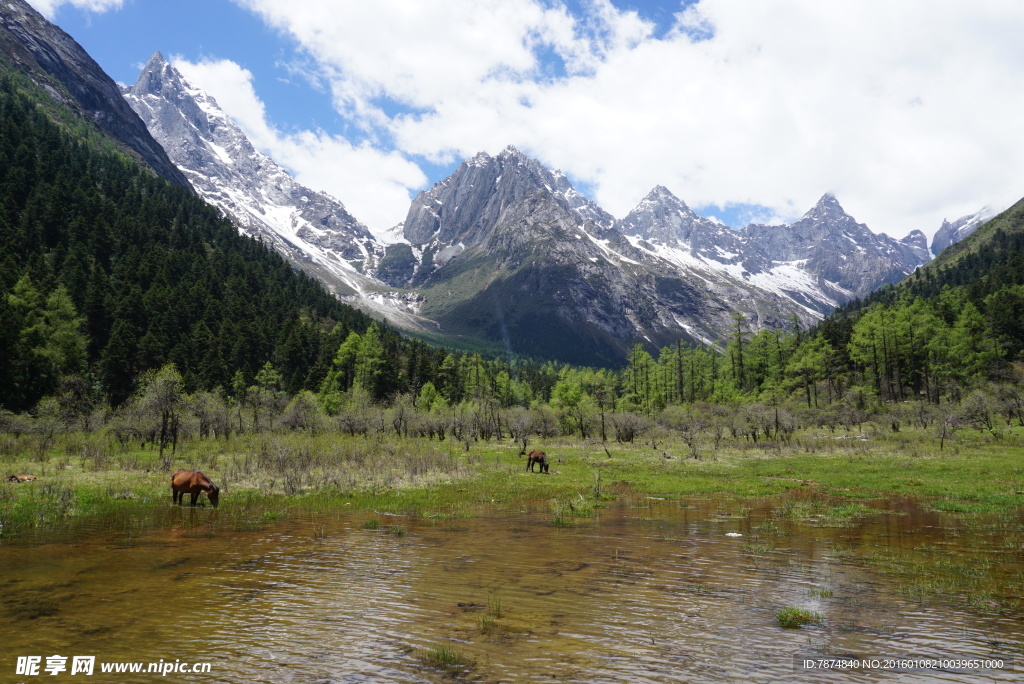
(537, 457)
(192, 482)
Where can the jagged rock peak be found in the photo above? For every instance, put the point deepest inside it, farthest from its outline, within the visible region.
(827, 207)
(157, 74)
(662, 195)
(309, 227)
(917, 242)
(915, 237)
(512, 151)
(509, 153)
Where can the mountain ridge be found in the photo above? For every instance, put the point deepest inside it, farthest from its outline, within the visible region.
(58, 64)
(469, 250)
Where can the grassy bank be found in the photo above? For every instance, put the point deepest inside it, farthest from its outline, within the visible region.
(268, 476)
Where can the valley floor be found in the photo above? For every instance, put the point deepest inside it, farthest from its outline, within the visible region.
(91, 479)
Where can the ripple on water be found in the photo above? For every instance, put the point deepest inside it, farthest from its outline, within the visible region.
(665, 598)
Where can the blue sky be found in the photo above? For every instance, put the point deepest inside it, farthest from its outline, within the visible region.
(745, 109)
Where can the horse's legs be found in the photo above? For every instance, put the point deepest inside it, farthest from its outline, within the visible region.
(194, 497)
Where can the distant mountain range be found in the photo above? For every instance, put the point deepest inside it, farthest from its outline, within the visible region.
(503, 254)
(507, 254)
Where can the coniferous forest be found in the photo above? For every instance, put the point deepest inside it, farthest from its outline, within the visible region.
(109, 271)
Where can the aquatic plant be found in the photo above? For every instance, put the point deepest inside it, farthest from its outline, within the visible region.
(494, 606)
(486, 623)
(757, 548)
(446, 658)
(794, 618)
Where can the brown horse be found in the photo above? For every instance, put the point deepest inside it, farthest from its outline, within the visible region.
(192, 482)
(537, 457)
(21, 478)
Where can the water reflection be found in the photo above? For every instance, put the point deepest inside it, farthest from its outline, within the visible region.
(649, 591)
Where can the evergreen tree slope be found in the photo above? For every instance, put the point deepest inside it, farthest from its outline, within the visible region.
(107, 271)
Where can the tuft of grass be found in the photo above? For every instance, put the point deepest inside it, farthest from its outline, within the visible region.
(399, 531)
(486, 623)
(821, 593)
(371, 524)
(824, 515)
(757, 548)
(795, 618)
(494, 606)
(444, 657)
(771, 528)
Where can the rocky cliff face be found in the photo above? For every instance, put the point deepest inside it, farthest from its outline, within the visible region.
(540, 284)
(59, 65)
(462, 210)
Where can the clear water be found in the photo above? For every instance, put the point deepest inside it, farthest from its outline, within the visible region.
(649, 591)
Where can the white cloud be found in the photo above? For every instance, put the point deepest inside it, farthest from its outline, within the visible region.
(48, 8)
(907, 111)
(373, 184)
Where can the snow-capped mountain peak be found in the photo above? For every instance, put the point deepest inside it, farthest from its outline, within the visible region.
(663, 218)
(311, 228)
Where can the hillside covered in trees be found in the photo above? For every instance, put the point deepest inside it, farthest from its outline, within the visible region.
(108, 271)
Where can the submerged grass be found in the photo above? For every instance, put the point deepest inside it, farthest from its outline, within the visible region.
(975, 582)
(823, 514)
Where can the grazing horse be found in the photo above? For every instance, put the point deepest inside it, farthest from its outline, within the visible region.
(192, 482)
(537, 457)
(21, 478)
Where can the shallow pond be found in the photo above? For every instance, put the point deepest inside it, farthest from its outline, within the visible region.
(647, 591)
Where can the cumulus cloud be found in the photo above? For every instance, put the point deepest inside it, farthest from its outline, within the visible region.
(373, 184)
(48, 8)
(906, 111)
